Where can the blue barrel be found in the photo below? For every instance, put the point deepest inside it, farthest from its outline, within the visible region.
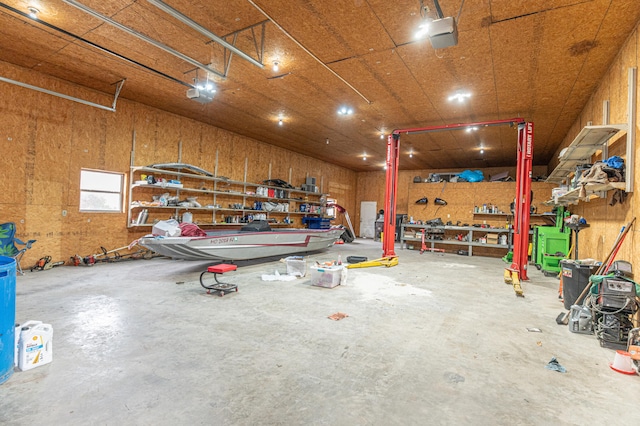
(7, 316)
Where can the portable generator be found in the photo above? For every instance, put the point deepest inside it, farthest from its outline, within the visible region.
(617, 294)
(614, 305)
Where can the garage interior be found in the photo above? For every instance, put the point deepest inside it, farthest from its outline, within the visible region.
(310, 92)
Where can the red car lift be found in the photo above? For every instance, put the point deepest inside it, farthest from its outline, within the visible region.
(518, 269)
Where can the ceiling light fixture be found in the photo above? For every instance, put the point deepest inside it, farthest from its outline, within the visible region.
(345, 111)
(203, 91)
(472, 129)
(381, 135)
(460, 97)
(423, 29)
(364, 157)
(280, 122)
(276, 66)
(481, 150)
(411, 154)
(327, 141)
(33, 12)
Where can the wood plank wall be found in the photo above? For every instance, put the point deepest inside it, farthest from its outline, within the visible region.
(606, 220)
(46, 140)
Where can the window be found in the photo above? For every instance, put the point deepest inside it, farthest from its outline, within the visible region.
(101, 191)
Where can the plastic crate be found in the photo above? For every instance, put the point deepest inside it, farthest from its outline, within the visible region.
(317, 222)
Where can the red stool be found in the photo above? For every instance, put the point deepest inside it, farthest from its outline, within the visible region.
(220, 287)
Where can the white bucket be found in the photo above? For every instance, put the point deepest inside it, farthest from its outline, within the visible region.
(36, 346)
(622, 363)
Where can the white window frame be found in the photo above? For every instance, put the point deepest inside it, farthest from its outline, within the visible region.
(89, 190)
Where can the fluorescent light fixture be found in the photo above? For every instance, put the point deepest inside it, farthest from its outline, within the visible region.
(345, 111)
(459, 96)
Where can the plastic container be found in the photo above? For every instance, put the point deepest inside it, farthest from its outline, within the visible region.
(18, 329)
(328, 277)
(187, 217)
(575, 277)
(296, 265)
(7, 316)
(36, 346)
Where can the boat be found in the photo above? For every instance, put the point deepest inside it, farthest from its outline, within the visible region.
(243, 244)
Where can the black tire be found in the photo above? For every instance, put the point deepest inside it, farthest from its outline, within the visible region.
(347, 236)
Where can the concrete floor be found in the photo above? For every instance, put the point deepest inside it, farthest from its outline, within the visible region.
(438, 339)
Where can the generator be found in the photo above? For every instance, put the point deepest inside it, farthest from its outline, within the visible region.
(617, 294)
(613, 305)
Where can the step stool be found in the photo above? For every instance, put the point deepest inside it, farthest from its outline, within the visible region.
(220, 287)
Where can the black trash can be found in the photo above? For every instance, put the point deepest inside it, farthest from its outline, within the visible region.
(575, 277)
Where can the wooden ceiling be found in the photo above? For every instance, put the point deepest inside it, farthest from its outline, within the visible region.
(539, 59)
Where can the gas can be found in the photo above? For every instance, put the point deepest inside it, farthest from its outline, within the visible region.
(36, 346)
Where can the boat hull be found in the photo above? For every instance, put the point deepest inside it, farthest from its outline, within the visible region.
(243, 245)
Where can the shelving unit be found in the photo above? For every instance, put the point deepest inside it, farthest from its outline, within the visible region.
(588, 142)
(469, 230)
(213, 193)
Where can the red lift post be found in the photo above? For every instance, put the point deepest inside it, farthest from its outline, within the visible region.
(518, 269)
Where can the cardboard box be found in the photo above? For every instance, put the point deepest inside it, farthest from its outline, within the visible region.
(329, 277)
(492, 238)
